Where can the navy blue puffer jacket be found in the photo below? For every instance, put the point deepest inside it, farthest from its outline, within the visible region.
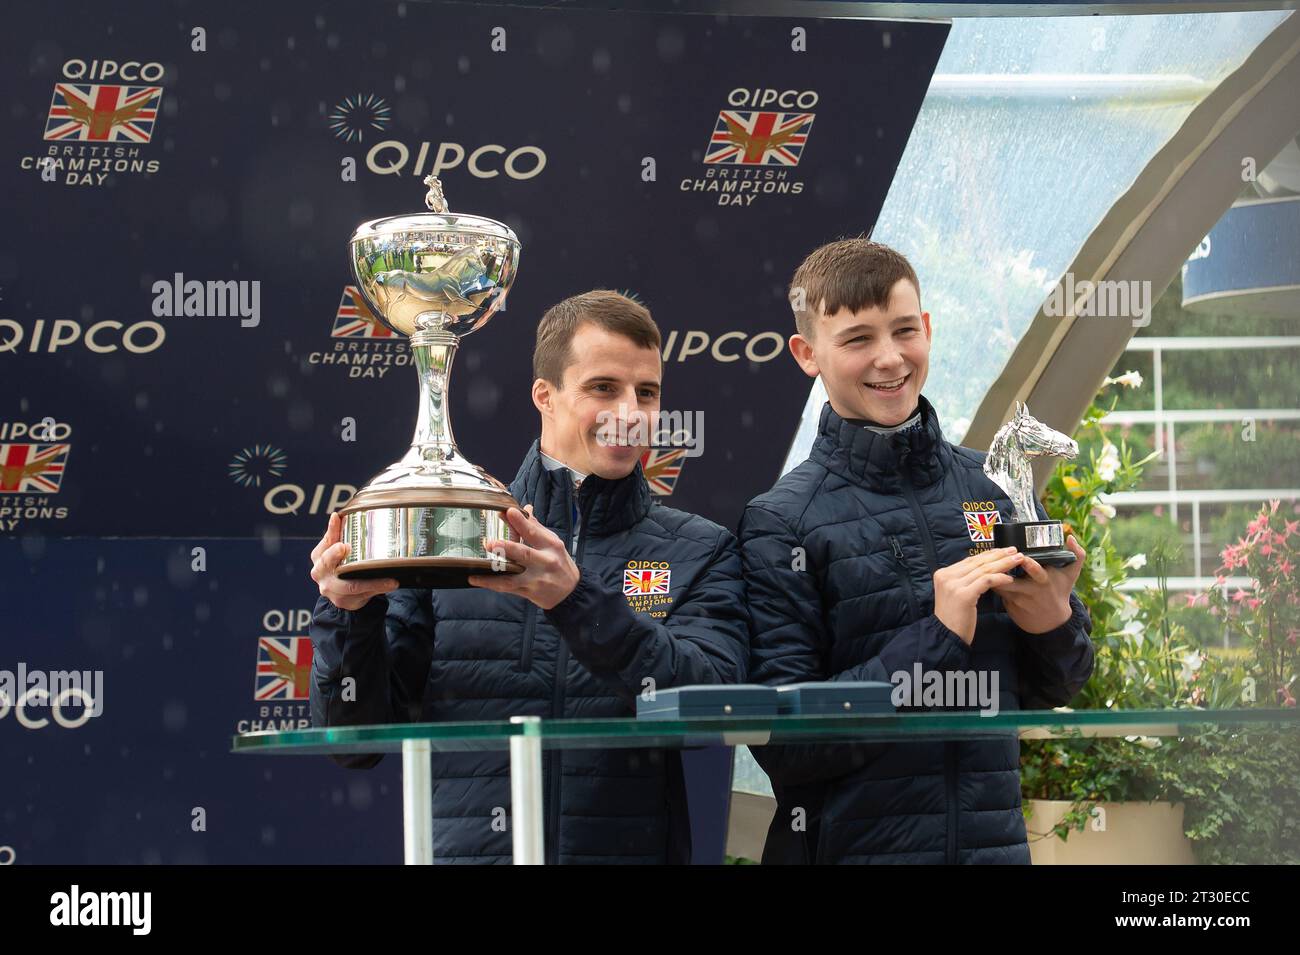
(875, 516)
(421, 655)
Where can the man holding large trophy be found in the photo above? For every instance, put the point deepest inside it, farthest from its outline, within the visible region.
(446, 595)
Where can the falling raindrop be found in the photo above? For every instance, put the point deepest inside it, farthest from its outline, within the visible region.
(175, 716)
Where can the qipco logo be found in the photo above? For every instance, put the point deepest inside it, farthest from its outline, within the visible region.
(38, 698)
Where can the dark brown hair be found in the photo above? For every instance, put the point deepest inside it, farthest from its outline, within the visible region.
(850, 273)
(612, 311)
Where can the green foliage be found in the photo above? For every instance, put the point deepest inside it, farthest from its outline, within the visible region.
(1073, 496)
(1240, 789)
(1088, 772)
(1225, 457)
(1241, 800)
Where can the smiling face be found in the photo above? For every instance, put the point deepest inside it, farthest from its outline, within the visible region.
(873, 362)
(598, 418)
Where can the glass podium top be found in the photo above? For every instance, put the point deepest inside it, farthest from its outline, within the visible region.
(629, 732)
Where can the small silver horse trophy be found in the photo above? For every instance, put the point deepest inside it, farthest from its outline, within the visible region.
(1008, 465)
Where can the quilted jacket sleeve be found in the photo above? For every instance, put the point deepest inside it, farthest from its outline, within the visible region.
(370, 666)
(704, 640)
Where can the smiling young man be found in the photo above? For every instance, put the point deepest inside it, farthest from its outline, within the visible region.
(860, 564)
(560, 639)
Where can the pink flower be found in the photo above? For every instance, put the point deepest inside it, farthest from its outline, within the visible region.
(1266, 550)
(1254, 603)
(1255, 526)
(1285, 695)
(1291, 527)
(1286, 566)
(1273, 506)
(1239, 596)
(1220, 580)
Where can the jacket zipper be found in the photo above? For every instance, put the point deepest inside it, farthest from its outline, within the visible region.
(530, 626)
(926, 539)
(907, 579)
(561, 665)
(950, 781)
(949, 747)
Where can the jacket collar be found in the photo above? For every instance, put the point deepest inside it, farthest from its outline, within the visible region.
(846, 447)
(611, 506)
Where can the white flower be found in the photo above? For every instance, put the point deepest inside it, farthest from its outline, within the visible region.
(1150, 742)
(1191, 663)
(1108, 463)
(1134, 629)
(1136, 562)
(1130, 379)
(1103, 510)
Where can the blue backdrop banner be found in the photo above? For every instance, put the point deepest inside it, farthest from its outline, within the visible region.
(184, 361)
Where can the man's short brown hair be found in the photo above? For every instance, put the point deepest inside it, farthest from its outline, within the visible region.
(850, 273)
(612, 311)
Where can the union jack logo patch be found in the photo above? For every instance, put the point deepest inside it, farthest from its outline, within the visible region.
(979, 524)
(662, 468)
(758, 138)
(283, 668)
(638, 582)
(32, 468)
(94, 111)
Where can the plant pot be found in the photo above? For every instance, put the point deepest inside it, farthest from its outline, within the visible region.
(1135, 833)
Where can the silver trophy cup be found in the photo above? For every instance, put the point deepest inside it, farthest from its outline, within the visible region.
(1008, 465)
(434, 277)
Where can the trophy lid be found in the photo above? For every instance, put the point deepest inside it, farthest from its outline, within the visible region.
(438, 220)
(434, 270)
(433, 222)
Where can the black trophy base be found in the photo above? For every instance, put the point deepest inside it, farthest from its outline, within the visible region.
(1044, 541)
(426, 573)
